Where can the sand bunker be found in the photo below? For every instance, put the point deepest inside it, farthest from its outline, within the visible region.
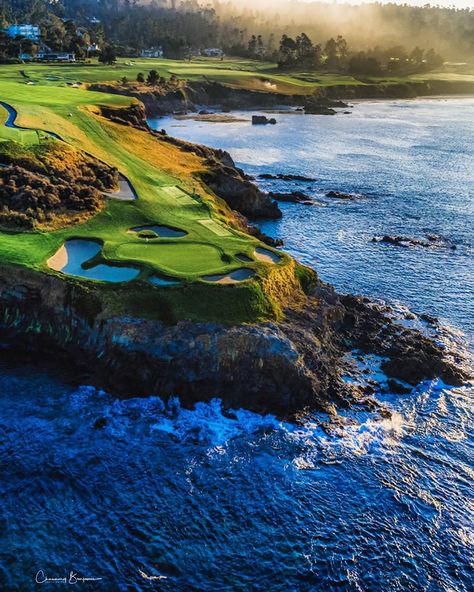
(125, 192)
(234, 277)
(69, 259)
(161, 231)
(266, 255)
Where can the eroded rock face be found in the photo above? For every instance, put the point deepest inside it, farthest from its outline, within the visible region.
(282, 368)
(231, 184)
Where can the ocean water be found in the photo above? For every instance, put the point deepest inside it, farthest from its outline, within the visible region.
(413, 162)
(150, 496)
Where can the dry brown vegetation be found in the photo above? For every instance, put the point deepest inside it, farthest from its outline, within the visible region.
(50, 185)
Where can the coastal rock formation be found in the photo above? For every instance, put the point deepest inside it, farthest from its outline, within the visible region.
(406, 241)
(342, 195)
(283, 368)
(294, 197)
(263, 120)
(240, 193)
(286, 177)
(167, 99)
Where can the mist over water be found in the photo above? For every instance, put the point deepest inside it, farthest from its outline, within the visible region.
(127, 490)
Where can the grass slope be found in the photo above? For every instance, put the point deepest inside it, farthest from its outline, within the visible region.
(169, 193)
(238, 73)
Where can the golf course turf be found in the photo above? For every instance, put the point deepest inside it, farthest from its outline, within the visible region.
(203, 242)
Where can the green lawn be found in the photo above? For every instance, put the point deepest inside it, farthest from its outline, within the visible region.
(169, 193)
(47, 97)
(262, 76)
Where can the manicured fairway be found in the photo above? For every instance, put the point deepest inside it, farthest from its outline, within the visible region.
(158, 202)
(179, 258)
(168, 190)
(238, 73)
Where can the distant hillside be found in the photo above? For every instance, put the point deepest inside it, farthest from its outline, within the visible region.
(242, 30)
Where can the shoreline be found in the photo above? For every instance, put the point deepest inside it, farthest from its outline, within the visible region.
(299, 359)
(196, 96)
(229, 117)
(280, 173)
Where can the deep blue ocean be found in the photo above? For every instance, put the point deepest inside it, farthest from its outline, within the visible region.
(157, 497)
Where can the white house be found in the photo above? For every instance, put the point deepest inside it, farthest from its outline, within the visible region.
(152, 52)
(56, 56)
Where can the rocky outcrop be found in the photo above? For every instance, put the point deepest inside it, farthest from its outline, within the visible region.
(263, 120)
(134, 115)
(431, 241)
(286, 177)
(409, 355)
(342, 195)
(282, 368)
(157, 101)
(293, 197)
(240, 194)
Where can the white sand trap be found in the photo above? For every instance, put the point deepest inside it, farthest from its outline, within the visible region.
(124, 193)
(59, 260)
(266, 255)
(234, 277)
(69, 259)
(73, 254)
(161, 231)
(160, 281)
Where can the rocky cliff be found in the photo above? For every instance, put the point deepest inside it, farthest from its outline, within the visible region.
(164, 101)
(283, 368)
(287, 367)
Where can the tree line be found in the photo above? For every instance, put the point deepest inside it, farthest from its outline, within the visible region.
(183, 28)
(301, 53)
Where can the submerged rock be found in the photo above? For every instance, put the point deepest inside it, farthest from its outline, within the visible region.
(286, 177)
(342, 195)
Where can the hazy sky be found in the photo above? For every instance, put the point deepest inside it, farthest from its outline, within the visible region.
(455, 3)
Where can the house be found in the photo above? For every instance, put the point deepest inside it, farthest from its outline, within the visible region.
(213, 52)
(152, 52)
(55, 56)
(27, 31)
